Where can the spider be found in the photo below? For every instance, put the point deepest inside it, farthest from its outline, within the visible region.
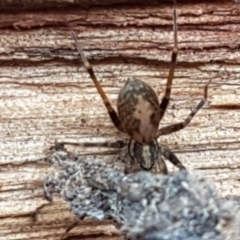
(139, 113)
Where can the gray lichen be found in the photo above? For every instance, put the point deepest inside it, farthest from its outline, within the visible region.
(143, 205)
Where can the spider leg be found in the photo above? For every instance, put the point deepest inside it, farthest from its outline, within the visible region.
(117, 144)
(168, 154)
(160, 166)
(112, 113)
(69, 228)
(178, 126)
(117, 147)
(165, 100)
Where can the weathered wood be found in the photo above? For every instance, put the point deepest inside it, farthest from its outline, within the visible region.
(46, 94)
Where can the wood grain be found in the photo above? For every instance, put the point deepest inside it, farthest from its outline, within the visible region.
(46, 94)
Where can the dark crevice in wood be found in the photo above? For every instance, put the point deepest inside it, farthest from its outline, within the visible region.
(8, 6)
(110, 60)
(68, 25)
(92, 237)
(30, 163)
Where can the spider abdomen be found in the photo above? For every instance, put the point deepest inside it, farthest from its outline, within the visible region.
(138, 110)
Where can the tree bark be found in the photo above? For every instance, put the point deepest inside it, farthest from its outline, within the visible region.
(47, 95)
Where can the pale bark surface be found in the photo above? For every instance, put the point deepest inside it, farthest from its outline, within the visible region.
(46, 94)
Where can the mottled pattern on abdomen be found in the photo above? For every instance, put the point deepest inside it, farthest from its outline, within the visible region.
(138, 110)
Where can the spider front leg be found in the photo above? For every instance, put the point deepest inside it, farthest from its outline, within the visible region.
(116, 145)
(178, 126)
(160, 166)
(169, 155)
(112, 113)
(165, 100)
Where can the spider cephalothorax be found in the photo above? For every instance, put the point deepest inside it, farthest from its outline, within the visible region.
(139, 113)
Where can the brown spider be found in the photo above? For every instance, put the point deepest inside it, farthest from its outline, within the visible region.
(139, 115)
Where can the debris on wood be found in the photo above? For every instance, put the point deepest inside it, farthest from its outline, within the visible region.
(143, 205)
